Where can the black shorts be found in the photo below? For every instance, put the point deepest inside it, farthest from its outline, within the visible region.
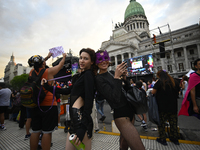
(124, 111)
(45, 122)
(3, 109)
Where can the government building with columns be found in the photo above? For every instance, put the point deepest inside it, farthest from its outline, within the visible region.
(132, 38)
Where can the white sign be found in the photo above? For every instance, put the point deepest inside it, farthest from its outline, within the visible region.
(56, 51)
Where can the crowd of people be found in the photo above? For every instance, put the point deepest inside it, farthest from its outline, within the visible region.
(96, 82)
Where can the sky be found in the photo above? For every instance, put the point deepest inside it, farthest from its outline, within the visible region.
(31, 27)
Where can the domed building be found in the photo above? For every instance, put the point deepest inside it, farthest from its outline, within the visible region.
(13, 69)
(132, 39)
(135, 19)
(8, 72)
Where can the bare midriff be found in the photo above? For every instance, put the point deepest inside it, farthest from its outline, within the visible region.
(78, 103)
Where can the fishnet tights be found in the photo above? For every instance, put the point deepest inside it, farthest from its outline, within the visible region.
(128, 135)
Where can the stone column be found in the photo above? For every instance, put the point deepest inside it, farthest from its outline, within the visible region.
(186, 58)
(198, 50)
(129, 55)
(174, 65)
(136, 52)
(115, 61)
(131, 27)
(163, 63)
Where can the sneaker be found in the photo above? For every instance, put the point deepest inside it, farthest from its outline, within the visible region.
(59, 124)
(176, 142)
(163, 142)
(3, 128)
(27, 136)
(102, 118)
(143, 124)
(97, 130)
(39, 147)
(145, 128)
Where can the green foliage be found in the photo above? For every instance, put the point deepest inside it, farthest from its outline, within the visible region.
(18, 81)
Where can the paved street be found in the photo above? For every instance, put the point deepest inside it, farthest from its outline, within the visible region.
(13, 138)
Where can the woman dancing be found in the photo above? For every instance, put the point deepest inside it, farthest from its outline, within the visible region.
(81, 101)
(111, 88)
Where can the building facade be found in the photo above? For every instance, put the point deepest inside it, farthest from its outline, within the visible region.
(13, 69)
(133, 38)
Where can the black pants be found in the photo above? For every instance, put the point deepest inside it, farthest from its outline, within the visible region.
(172, 118)
(22, 116)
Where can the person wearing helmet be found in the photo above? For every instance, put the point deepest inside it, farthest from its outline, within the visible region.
(41, 121)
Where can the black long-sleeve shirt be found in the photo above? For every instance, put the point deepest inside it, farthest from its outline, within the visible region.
(111, 89)
(84, 88)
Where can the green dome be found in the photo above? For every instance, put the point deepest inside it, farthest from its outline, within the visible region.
(134, 8)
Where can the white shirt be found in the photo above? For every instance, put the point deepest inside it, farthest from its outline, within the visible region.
(5, 94)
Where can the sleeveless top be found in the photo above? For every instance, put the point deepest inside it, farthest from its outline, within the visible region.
(49, 96)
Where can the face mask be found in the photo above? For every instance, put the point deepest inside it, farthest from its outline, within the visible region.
(100, 57)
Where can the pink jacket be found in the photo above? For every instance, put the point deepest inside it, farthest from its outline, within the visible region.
(193, 81)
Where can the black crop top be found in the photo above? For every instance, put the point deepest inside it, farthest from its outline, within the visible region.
(84, 87)
(111, 89)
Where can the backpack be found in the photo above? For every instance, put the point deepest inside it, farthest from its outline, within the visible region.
(32, 90)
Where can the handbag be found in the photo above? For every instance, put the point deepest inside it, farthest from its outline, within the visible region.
(153, 110)
(137, 99)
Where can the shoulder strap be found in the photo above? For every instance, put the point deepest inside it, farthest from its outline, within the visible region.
(54, 87)
(40, 74)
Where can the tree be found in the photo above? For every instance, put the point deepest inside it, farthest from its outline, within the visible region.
(18, 81)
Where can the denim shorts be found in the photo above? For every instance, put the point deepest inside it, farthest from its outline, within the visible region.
(28, 112)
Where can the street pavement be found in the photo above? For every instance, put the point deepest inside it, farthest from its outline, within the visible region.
(105, 139)
(13, 139)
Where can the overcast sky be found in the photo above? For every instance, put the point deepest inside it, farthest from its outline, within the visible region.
(29, 27)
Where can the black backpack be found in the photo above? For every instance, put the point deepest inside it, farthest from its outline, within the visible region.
(32, 89)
